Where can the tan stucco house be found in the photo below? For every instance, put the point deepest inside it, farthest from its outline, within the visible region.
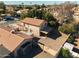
(35, 26)
(76, 14)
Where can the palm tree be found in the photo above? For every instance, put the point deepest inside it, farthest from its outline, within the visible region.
(22, 5)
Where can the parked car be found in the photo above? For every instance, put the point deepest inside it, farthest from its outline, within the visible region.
(6, 18)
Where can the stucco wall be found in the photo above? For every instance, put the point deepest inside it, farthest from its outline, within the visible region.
(35, 30)
(76, 18)
(48, 50)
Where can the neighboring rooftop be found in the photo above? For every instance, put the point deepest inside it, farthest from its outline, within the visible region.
(4, 52)
(55, 44)
(68, 46)
(33, 21)
(11, 41)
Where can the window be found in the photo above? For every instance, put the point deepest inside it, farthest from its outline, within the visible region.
(75, 50)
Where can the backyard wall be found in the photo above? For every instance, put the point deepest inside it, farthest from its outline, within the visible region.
(48, 50)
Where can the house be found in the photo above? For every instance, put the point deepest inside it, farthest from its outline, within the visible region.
(35, 26)
(1, 10)
(76, 14)
(73, 50)
(22, 11)
(0, 18)
(9, 8)
(32, 26)
(53, 46)
(11, 41)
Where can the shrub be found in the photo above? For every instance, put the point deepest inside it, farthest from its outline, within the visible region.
(67, 28)
(71, 39)
(64, 53)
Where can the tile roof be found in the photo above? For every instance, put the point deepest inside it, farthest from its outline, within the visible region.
(3, 51)
(11, 41)
(33, 21)
(55, 44)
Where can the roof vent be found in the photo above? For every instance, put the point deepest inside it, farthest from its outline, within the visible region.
(13, 31)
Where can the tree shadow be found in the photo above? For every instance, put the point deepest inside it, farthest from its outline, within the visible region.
(35, 51)
(29, 53)
(54, 34)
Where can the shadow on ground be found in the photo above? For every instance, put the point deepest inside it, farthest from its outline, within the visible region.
(33, 52)
(36, 50)
(54, 34)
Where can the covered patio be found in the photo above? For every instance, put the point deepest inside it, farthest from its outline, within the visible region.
(44, 32)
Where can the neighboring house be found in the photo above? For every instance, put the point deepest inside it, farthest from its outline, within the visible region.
(12, 41)
(1, 10)
(16, 37)
(9, 8)
(1, 18)
(34, 25)
(76, 14)
(18, 12)
(53, 46)
(22, 11)
(73, 50)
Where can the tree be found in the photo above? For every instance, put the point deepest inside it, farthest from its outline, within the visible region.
(64, 53)
(37, 6)
(67, 28)
(71, 39)
(42, 14)
(43, 6)
(31, 13)
(2, 6)
(28, 7)
(22, 4)
(48, 17)
(23, 15)
(35, 13)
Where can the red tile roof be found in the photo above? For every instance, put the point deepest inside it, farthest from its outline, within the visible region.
(33, 21)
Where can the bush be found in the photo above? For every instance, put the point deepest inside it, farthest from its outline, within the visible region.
(23, 15)
(64, 53)
(67, 28)
(42, 14)
(71, 39)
